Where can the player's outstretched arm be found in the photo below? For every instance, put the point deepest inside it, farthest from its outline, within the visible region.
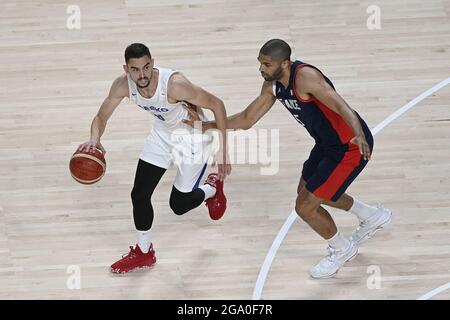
(246, 118)
(119, 90)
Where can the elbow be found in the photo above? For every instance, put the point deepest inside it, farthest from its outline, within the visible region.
(216, 104)
(221, 107)
(246, 125)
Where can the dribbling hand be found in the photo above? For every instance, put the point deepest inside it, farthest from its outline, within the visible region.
(90, 145)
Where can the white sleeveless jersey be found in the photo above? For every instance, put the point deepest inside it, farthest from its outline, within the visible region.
(169, 116)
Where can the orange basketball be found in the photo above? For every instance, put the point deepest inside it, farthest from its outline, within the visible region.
(87, 167)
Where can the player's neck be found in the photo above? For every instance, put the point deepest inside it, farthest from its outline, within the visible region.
(284, 80)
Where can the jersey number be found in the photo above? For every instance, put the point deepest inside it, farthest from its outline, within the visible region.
(297, 117)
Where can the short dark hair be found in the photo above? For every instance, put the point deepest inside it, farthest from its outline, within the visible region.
(277, 49)
(136, 51)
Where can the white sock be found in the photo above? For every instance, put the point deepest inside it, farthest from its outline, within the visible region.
(209, 190)
(338, 241)
(144, 240)
(362, 210)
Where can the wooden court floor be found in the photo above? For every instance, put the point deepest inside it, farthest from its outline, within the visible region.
(53, 79)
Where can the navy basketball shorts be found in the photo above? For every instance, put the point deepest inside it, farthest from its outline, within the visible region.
(329, 171)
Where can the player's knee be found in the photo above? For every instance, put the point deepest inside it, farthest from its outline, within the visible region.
(179, 201)
(139, 195)
(301, 185)
(177, 207)
(305, 210)
(305, 214)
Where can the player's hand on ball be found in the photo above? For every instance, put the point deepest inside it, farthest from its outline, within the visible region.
(90, 145)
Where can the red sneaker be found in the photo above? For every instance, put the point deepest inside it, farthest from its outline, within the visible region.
(135, 259)
(217, 204)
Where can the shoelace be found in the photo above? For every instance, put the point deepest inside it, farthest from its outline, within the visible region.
(331, 253)
(363, 223)
(130, 254)
(211, 181)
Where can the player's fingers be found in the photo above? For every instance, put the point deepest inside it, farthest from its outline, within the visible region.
(227, 171)
(89, 146)
(365, 151)
(188, 122)
(83, 145)
(216, 160)
(189, 105)
(361, 148)
(192, 114)
(221, 173)
(368, 152)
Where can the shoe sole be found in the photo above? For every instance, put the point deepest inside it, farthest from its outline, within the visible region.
(132, 270)
(334, 274)
(379, 227)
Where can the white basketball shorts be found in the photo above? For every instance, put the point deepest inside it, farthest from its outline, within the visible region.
(187, 151)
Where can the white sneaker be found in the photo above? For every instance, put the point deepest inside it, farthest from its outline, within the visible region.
(367, 228)
(330, 265)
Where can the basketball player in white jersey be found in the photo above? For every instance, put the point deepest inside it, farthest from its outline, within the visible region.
(165, 93)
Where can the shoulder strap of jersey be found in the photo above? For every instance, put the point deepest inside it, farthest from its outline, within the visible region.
(164, 76)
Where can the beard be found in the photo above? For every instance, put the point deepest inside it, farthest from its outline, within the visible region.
(147, 82)
(276, 75)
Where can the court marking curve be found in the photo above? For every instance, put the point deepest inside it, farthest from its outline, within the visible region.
(291, 218)
(434, 292)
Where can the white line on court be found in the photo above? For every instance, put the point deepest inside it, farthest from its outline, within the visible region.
(434, 292)
(290, 220)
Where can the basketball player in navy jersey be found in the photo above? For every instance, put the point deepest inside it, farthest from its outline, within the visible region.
(165, 93)
(343, 146)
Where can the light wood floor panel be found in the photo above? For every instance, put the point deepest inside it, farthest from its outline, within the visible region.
(52, 81)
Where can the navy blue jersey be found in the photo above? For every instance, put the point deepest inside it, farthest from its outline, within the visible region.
(327, 127)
